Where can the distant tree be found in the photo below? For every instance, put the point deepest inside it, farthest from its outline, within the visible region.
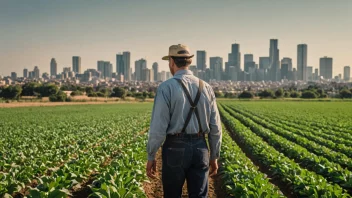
(100, 94)
(309, 94)
(267, 93)
(106, 92)
(145, 94)
(151, 95)
(30, 89)
(47, 90)
(287, 94)
(230, 95)
(119, 92)
(89, 90)
(92, 94)
(279, 93)
(295, 94)
(11, 92)
(58, 97)
(76, 93)
(246, 94)
(345, 93)
(218, 94)
(133, 89)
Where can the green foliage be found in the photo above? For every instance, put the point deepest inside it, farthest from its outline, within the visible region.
(267, 93)
(30, 89)
(58, 97)
(11, 92)
(345, 93)
(218, 94)
(89, 90)
(295, 94)
(47, 90)
(230, 95)
(309, 95)
(119, 92)
(76, 93)
(151, 95)
(279, 93)
(246, 94)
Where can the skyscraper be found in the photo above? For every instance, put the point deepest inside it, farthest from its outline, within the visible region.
(25, 73)
(325, 67)
(126, 57)
(100, 68)
(201, 60)
(107, 69)
(36, 72)
(155, 70)
(347, 73)
(264, 62)
(13, 76)
(120, 67)
(76, 64)
(286, 68)
(53, 67)
(302, 62)
(274, 55)
(216, 67)
(248, 62)
(309, 73)
(234, 59)
(287, 61)
(139, 69)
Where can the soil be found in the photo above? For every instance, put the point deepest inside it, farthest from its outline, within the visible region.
(154, 188)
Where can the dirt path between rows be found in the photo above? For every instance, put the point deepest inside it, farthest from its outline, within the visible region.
(154, 189)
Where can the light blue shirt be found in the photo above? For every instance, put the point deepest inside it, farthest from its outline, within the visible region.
(171, 108)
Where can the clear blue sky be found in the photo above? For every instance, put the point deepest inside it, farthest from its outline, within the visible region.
(34, 31)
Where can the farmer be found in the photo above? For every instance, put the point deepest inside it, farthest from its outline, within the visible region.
(184, 113)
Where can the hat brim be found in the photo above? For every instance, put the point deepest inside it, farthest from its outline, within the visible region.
(167, 57)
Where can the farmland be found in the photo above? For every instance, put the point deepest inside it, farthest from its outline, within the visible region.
(270, 149)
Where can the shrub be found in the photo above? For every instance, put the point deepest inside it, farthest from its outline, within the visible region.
(309, 94)
(246, 94)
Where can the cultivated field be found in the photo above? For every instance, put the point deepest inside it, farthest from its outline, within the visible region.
(270, 149)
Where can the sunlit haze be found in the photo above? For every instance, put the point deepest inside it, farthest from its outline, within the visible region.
(34, 31)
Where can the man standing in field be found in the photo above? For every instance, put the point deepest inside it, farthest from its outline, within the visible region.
(184, 112)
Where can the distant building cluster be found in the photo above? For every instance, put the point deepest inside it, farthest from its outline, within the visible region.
(268, 69)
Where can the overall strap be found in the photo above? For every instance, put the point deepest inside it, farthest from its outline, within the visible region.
(193, 104)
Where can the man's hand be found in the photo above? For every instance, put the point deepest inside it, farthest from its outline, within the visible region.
(151, 169)
(213, 167)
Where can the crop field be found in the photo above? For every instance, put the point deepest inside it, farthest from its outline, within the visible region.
(269, 149)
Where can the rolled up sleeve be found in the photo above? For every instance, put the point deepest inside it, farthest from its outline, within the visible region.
(159, 122)
(215, 133)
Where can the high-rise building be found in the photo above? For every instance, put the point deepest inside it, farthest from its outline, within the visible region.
(284, 71)
(13, 76)
(120, 67)
(156, 71)
(76, 64)
(248, 60)
(53, 67)
(66, 69)
(126, 57)
(316, 74)
(302, 62)
(216, 67)
(148, 75)
(100, 68)
(233, 73)
(234, 59)
(139, 69)
(287, 61)
(264, 62)
(347, 73)
(309, 73)
(25, 73)
(325, 67)
(201, 60)
(107, 69)
(36, 72)
(274, 55)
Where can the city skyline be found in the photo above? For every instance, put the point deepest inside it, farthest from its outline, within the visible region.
(47, 31)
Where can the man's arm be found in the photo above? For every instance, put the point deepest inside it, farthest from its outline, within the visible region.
(159, 123)
(215, 133)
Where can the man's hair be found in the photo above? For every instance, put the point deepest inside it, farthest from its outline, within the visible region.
(182, 61)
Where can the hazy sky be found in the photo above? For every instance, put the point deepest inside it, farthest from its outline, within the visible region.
(34, 31)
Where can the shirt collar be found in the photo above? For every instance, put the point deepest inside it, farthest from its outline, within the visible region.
(183, 72)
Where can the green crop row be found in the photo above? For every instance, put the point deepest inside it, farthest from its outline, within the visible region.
(302, 182)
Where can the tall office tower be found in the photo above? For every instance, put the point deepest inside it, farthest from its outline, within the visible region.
(325, 67)
(316, 74)
(53, 67)
(156, 71)
(234, 59)
(13, 76)
(66, 69)
(233, 73)
(201, 60)
(139, 69)
(120, 67)
(76, 64)
(147, 75)
(309, 73)
(36, 72)
(107, 69)
(216, 67)
(248, 59)
(264, 62)
(100, 68)
(287, 61)
(126, 57)
(302, 62)
(274, 55)
(284, 71)
(25, 73)
(347, 73)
